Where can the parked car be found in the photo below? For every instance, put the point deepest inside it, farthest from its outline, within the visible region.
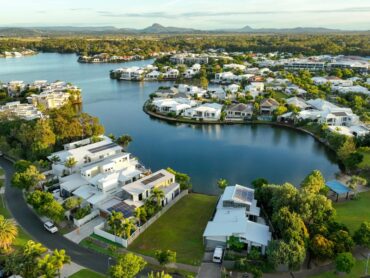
(49, 225)
(218, 254)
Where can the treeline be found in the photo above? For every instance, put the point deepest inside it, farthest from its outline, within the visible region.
(34, 140)
(308, 44)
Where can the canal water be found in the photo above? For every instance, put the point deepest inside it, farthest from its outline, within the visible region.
(238, 153)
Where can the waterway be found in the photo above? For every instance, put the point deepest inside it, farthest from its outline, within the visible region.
(238, 153)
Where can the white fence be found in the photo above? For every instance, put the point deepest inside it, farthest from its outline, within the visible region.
(98, 230)
(87, 218)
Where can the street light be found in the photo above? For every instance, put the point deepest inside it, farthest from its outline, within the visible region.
(109, 259)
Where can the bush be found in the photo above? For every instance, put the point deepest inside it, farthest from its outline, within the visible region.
(82, 212)
(344, 262)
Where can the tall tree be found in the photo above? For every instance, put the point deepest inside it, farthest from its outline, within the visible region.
(314, 182)
(157, 195)
(127, 266)
(27, 179)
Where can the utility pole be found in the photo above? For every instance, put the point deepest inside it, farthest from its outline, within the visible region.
(367, 263)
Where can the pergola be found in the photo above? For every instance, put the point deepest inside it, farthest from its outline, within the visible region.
(338, 188)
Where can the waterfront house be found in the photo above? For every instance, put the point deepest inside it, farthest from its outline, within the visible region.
(192, 91)
(268, 106)
(84, 152)
(355, 130)
(140, 190)
(238, 215)
(207, 112)
(153, 75)
(239, 111)
(189, 59)
(15, 88)
(171, 74)
(49, 99)
(174, 105)
(23, 111)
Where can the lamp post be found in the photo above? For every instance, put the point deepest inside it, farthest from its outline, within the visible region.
(367, 263)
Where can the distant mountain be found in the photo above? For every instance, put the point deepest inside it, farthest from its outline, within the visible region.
(153, 29)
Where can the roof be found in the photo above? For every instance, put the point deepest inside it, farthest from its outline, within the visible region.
(240, 107)
(269, 102)
(148, 182)
(338, 187)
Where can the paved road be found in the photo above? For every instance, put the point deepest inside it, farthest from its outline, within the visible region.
(33, 225)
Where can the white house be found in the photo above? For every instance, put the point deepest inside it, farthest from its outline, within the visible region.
(208, 112)
(24, 111)
(175, 105)
(329, 113)
(153, 75)
(191, 90)
(268, 106)
(171, 74)
(356, 130)
(298, 102)
(234, 67)
(15, 88)
(237, 214)
(49, 99)
(140, 190)
(84, 152)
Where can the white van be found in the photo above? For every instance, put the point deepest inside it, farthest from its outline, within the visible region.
(217, 254)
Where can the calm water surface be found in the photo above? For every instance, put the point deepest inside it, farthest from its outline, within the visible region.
(239, 153)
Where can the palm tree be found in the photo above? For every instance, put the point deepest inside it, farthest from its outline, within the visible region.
(116, 223)
(8, 232)
(157, 195)
(54, 159)
(70, 163)
(222, 183)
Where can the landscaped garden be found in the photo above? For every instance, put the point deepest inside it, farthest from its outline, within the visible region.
(180, 229)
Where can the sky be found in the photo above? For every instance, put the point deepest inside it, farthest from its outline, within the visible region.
(198, 14)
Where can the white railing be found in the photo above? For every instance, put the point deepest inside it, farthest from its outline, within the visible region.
(87, 218)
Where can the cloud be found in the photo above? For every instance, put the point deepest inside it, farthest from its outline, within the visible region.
(229, 13)
(80, 9)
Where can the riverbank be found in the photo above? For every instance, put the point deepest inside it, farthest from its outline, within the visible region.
(239, 122)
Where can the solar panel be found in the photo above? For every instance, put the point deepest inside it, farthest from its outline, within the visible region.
(101, 148)
(153, 178)
(244, 194)
(124, 208)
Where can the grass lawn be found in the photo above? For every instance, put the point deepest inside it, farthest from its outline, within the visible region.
(357, 271)
(280, 95)
(86, 273)
(2, 173)
(180, 229)
(354, 212)
(365, 164)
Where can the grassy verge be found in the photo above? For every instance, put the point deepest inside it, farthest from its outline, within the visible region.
(86, 273)
(352, 213)
(357, 271)
(180, 229)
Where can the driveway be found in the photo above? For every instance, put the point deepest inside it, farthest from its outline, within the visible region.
(84, 231)
(209, 270)
(27, 219)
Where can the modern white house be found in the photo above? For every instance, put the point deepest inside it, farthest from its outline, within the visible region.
(207, 111)
(23, 111)
(238, 215)
(15, 88)
(175, 105)
(49, 99)
(189, 59)
(191, 90)
(84, 152)
(137, 192)
(329, 113)
(234, 67)
(298, 102)
(255, 88)
(352, 131)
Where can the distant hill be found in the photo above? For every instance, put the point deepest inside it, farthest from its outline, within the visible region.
(153, 29)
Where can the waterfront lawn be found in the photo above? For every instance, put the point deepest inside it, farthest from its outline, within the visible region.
(353, 212)
(180, 229)
(357, 271)
(86, 273)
